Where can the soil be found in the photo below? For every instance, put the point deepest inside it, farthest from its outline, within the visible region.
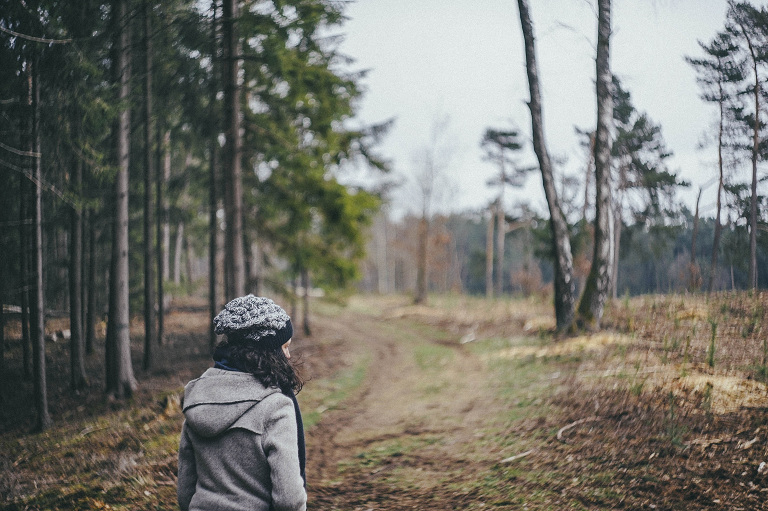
(470, 405)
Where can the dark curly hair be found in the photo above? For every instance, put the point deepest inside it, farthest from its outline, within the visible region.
(268, 365)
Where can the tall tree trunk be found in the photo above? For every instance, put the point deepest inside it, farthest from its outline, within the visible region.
(489, 253)
(294, 299)
(233, 205)
(213, 228)
(149, 291)
(694, 269)
(617, 213)
(213, 198)
(166, 245)
(76, 341)
(90, 321)
(24, 242)
(382, 249)
(718, 225)
(189, 257)
(598, 285)
(306, 284)
(177, 254)
(38, 319)
(564, 284)
(501, 231)
(752, 277)
(753, 202)
(122, 383)
(422, 269)
(163, 228)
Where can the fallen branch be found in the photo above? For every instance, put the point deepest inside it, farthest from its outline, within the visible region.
(574, 424)
(517, 456)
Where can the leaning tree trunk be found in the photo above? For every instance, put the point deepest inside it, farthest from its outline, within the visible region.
(598, 285)
(38, 301)
(76, 341)
(122, 383)
(233, 205)
(564, 285)
(149, 291)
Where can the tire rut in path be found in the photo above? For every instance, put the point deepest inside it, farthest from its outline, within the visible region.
(437, 408)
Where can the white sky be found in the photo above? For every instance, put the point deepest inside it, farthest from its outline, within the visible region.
(465, 59)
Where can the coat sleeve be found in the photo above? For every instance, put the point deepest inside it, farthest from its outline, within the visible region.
(280, 445)
(187, 476)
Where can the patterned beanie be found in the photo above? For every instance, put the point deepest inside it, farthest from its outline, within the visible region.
(254, 320)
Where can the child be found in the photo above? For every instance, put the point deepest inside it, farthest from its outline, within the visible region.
(242, 443)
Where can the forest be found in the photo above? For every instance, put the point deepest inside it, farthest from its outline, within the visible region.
(158, 159)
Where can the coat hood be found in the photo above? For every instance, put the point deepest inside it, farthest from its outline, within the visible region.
(216, 401)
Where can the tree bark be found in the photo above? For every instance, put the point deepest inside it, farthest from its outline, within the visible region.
(177, 254)
(694, 284)
(163, 228)
(149, 291)
(213, 198)
(122, 383)
(305, 282)
(501, 231)
(564, 285)
(38, 317)
(718, 225)
(752, 277)
(233, 205)
(753, 203)
(489, 253)
(78, 378)
(24, 242)
(422, 263)
(90, 317)
(189, 257)
(598, 285)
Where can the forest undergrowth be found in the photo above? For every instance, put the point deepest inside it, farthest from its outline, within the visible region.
(464, 403)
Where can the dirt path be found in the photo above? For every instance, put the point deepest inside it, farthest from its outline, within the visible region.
(405, 432)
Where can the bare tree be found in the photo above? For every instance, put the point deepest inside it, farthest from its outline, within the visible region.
(598, 285)
(431, 161)
(564, 284)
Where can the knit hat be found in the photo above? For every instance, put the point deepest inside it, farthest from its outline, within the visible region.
(254, 320)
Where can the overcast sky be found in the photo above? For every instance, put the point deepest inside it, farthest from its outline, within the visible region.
(465, 59)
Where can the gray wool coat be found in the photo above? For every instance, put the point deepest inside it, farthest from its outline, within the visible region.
(238, 448)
